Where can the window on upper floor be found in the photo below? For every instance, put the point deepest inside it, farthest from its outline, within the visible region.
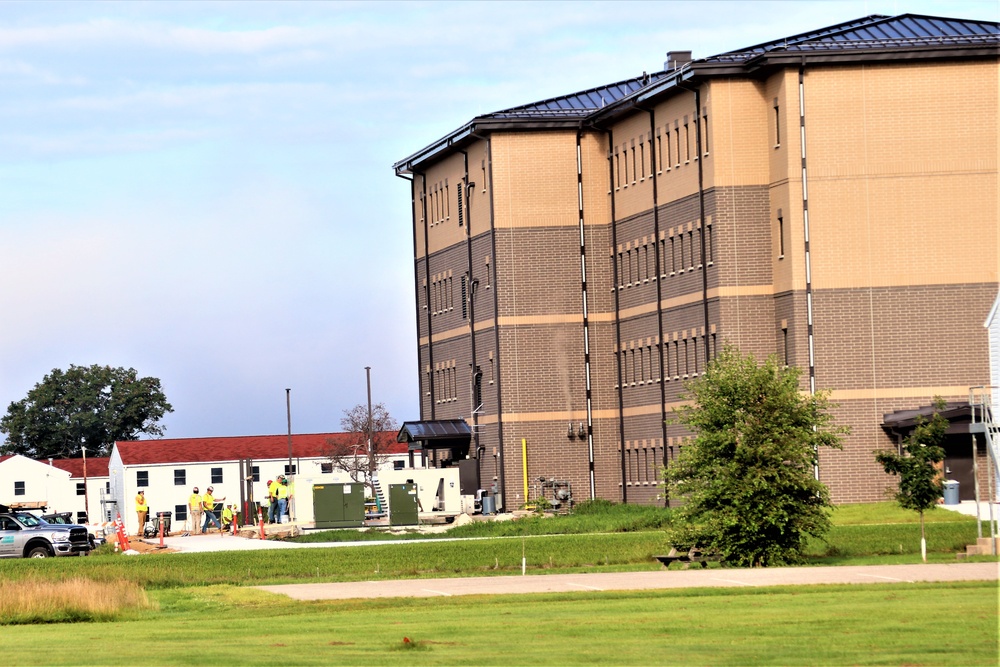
(142, 478)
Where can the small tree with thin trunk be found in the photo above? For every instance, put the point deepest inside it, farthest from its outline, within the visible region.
(361, 452)
(747, 480)
(920, 483)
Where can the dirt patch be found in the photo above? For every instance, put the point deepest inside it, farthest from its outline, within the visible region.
(148, 546)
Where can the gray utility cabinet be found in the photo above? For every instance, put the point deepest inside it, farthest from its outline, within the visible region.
(403, 504)
(339, 505)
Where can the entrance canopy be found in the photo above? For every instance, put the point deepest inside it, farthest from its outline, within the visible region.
(454, 435)
(958, 414)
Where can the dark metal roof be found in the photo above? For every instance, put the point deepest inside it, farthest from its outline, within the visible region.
(438, 429)
(875, 36)
(875, 32)
(582, 103)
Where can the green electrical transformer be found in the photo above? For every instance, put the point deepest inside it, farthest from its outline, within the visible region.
(403, 504)
(339, 505)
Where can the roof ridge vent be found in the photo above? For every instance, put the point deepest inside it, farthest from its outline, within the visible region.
(676, 60)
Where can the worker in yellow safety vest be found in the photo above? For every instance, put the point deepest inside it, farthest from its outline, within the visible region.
(208, 509)
(282, 496)
(272, 496)
(228, 514)
(141, 510)
(194, 511)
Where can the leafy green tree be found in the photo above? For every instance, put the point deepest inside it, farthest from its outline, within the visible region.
(920, 483)
(91, 406)
(747, 479)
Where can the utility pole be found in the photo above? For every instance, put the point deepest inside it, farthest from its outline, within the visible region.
(86, 500)
(368, 378)
(288, 411)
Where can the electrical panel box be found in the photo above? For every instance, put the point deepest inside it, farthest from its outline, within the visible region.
(403, 504)
(339, 505)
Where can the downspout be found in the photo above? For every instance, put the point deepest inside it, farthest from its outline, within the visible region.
(659, 288)
(427, 296)
(618, 320)
(701, 214)
(586, 322)
(496, 326)
(470, 290)
(805, 228)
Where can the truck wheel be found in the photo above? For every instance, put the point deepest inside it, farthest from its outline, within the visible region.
(39, 552)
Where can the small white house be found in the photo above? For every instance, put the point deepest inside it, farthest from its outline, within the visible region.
(238, 468)
(29, 483)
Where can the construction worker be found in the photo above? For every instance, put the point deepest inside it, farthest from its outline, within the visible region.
(228, 515)
(272, 493)
(282, 495)
(208, 508)
(141, 510)
(194, 511)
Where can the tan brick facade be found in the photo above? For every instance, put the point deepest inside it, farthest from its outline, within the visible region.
(607, 262)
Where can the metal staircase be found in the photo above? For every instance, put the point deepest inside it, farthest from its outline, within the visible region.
(981, 403)
(381, 504)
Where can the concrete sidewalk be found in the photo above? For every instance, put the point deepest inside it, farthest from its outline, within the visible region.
(660, 579)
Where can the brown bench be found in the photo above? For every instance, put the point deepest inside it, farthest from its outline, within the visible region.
(692, 555)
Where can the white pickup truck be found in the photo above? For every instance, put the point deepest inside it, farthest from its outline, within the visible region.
(24, 535)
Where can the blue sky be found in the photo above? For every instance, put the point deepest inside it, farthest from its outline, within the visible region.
(203, 191)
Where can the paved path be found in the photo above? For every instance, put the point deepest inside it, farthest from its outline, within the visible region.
(661, 579)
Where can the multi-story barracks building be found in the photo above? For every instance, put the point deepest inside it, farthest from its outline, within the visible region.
(828, 197)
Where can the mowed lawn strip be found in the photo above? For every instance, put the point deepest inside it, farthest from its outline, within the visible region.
(847, 545)
(917, 624)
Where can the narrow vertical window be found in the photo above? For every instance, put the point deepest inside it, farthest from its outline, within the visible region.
(691, 246)
(618, 170)
(687, 141)
(781, 235)
(666, 164)
(663, 257)
(461, 208)
(784, 344)
(464, 296)
(673, 255)
(704, 124)
(659, 153)
(680, 240)
(666, 360)
(447, 199)
(642, 161)
(633, 162)
(487, 273)
(677, 140)
(777, 123)
(696, 239)
(708, 244)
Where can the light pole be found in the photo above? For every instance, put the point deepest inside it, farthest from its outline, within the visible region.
(86, 500)
(368, 378)
(288, 411)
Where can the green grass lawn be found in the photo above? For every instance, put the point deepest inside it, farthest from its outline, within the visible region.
(205, 612)
(900, 624)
